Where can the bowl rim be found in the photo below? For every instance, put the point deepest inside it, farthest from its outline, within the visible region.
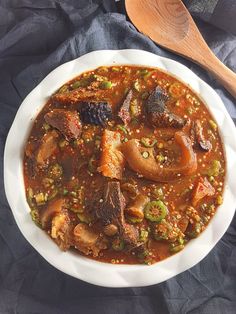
(99, 273)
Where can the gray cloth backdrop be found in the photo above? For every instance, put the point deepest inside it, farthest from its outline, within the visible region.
(35, 37)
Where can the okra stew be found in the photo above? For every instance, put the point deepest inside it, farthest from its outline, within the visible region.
(124, 164)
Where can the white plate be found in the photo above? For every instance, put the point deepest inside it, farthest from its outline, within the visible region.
(98, 273)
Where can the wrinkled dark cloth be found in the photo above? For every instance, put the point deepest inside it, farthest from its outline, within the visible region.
(35, 37)
(220, 13)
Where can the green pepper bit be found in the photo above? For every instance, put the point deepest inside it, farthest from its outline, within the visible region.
(105, 85)
(143, 237)
(118, 244)
(134, 220)
(97, 142)
(144, 95)
(46, 127)
(63, 89)
(143, 254)
(196, 231)
(134, 108)
(47, 182)
(160, 158)
(143, 72)
(63, 143)
(73, 193)
(52, 194)
(84, 82)
(115, 69)
(147, 142)
(176, 90)
(30, 193)
(30, 196)
(84, 218)
(122, 128)
(214, 169)
(35, 216)
(176, 248)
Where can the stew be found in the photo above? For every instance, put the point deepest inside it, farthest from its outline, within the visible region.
(124, 164)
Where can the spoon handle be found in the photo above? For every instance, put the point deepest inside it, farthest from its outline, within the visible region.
(223, 74)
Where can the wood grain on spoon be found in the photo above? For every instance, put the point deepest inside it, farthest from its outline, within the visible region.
(169, 24)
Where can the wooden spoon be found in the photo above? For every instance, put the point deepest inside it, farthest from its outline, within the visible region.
(169, 24)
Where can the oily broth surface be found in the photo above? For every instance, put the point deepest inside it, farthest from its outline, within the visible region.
(175, 194)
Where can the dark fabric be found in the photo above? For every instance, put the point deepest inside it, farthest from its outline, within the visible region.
(35, 37)
(220, 13)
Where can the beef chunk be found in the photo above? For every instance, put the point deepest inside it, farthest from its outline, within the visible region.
(135, 209)
(198, 137)
(47, 147)
(98, 113)
(112, 161)
(165, 119)
(55, 218)
(74, 96)
(30, 149)
(111, 211)
(88, 241)
(157, 113)
(67, 122)
(53, 208)
(183, 224)
(113, 204)
(61, 230)
(124, 112)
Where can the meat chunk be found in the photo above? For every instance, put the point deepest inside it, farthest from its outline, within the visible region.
(98, 113)
(137, 206)
(111, 211)
(73, 97)
(183, 224)
(202, 188)
(130, 235)
(165, 119)
(150, 169)
(61, 229)
(67, 122)
(112, 207)
(157, 113)
(55, 218)
(198, 137)
(30, 149)
(88, 241)
(47, 147)
(53, 208)
(112, 160)
(124, 112)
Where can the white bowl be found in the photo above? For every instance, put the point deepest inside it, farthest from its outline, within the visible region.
(99, 273)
